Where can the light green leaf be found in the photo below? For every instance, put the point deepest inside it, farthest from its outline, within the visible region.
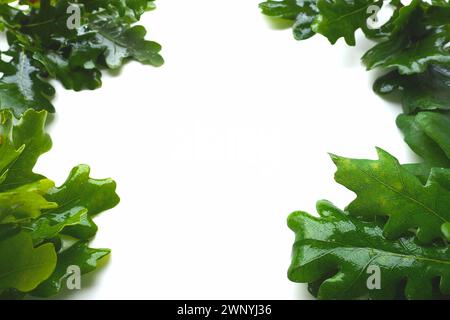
(385, 188)
(25, 202)
(23, 267)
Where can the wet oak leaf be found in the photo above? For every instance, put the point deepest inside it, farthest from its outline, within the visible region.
(23, 266)
(44, 46)
(429, 90)
(336, 252)
(40, 214)
(385, 188)
(341, 18)
(301, 12)
(427, 135)
(80, 255)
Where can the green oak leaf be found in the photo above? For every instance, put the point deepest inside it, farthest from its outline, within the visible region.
(437, 127)
(384, 188)
(429, 90)
(43, 46)
(26, 202)
(81, 191)
(441, 176)
(397, 23)
(84, 229)
(139, 7)
(285, 9)
(72, 77)
(22, 86)
(66, 209)
(420, 170)
(438, 13)
(397, 207)
(131, 10)
(22, 266)
(45, 215)
(118, 41)
(8, 230)
(427, 135)
(51, 224)
(403, 15)
(8, 151)
(420, 39)
(302, 12)
(45, 25)
(410, 58)
(341, 18)
(28, 136)
(441, 3)
(80, 255)
(61, 207)
(337, 254)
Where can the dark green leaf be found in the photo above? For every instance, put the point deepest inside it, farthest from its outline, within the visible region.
(426, 134)
(337, 252)
(302, 12)
(437, 127)
(429, 90)
(118, 41)
(80, 190)
(26, 202)
(43, 46)
(416, 42)
(30, 137)
(79, 255)
(22, 87)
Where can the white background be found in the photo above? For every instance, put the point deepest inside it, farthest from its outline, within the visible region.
(212, 151)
